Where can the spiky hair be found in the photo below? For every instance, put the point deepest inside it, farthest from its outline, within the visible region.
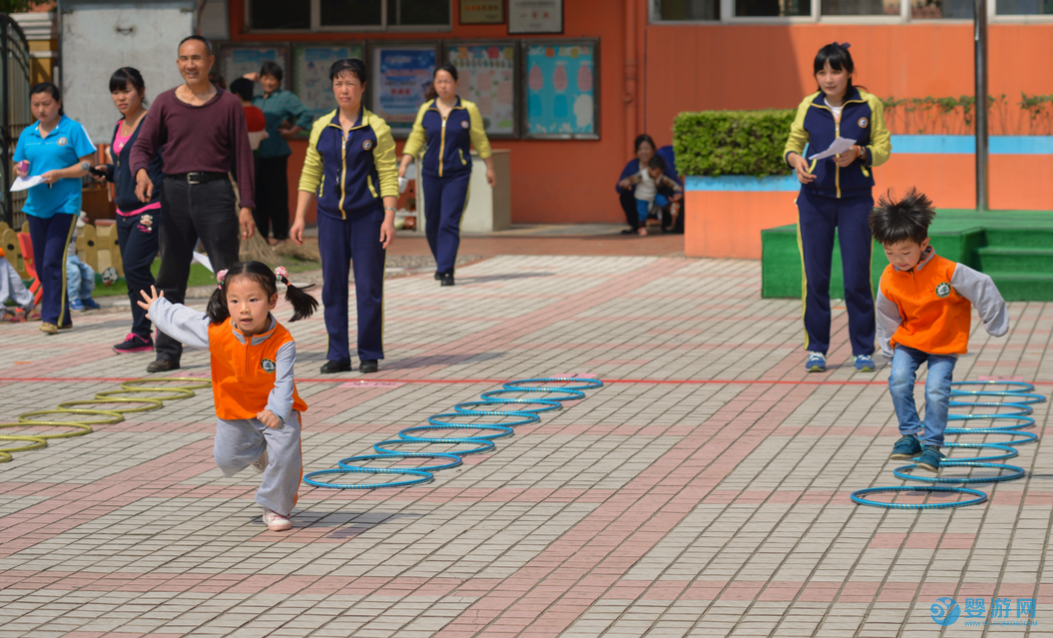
(909, 218)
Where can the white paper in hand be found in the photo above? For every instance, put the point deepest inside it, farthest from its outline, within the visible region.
(840, 145)
(22, 183)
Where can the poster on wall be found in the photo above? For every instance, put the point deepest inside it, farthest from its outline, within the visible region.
(402, 75)
(487, 76)
(562, 100)
(535, 16)
(311, 64)
(482, 11)
(237, 60)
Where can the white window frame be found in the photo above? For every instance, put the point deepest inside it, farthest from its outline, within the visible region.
(727, 9)
(316, 22)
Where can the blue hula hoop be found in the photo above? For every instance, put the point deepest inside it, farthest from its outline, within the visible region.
(521, 414)
(1019, 399)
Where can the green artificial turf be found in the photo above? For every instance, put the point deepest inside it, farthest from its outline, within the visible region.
(1014, 247)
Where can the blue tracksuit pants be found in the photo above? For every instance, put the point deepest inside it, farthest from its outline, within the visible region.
(818, 217)
(50, 238)
(343, 244)
(445, 200)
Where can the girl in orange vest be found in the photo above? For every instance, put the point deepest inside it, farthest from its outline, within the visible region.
(252, 376)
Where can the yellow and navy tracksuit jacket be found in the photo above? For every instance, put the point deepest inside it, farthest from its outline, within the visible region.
(863, 120)
(445, 142)
(350, 175)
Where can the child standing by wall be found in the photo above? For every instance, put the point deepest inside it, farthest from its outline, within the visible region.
(252, 377)
(923, 315)
(649, 181)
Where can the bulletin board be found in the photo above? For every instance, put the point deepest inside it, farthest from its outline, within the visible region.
(235, 60)
(400, 74)
(310, 71)
(488, 74)
(561, 91)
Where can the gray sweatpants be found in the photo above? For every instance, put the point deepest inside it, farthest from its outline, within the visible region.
(239, 444)
(11, 287)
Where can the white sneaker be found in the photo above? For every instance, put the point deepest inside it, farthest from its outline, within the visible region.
(261, 463)
(276, 522)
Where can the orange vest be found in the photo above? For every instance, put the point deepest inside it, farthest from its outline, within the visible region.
(936, 319)
(243, 374)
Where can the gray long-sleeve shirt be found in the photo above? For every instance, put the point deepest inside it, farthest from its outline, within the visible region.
(191, 328)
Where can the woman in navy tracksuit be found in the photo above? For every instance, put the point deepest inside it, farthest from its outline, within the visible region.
(445, 127)
(350, 166)
(137, 224)
(836, 193)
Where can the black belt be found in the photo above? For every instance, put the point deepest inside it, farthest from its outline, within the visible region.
(197, 178)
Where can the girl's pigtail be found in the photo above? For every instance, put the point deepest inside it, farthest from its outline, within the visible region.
(217, 309)
(303, 303)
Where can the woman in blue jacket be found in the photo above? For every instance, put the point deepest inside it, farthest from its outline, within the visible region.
(55, 147)
(350, 166)
(445, 127)
(836, 194)
(138, 225)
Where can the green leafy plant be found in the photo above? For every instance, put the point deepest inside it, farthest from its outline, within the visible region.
(717, 143)
(1039, 109)
(19, 6)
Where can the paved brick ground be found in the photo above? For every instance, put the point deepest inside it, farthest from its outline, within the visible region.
(703, 491)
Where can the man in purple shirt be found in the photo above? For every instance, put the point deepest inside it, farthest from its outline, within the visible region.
(201, 130)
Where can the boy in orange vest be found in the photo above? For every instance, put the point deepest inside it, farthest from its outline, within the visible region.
(252, 377)
(924, 309)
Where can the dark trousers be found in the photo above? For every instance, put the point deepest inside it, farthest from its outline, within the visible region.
(193, 211)
(50, 238)
(272, 196)
(445, 199)
(818, 217)
(346, 243)
(139, 244)
(628, 202)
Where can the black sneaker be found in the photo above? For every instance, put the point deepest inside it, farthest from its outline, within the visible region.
(332, 367)
(369, 366)
(438, 276)
(162, 365)
(447, 279)
(134, 343)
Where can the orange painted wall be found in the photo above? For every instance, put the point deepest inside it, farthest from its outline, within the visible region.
(696, 67)
(711, 230)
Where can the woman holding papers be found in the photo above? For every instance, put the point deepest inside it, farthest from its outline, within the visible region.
(843, 127)
(50, 154)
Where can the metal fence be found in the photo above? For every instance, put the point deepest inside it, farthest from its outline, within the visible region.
(14, 78)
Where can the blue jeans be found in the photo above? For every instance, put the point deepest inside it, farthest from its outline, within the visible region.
(905, 364)
(643, 207)
(80, 278)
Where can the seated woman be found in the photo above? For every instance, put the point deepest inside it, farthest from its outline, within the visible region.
(645, 149)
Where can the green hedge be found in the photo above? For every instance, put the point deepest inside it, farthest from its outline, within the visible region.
(732, 142)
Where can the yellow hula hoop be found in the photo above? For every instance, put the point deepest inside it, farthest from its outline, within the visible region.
(110, 416)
